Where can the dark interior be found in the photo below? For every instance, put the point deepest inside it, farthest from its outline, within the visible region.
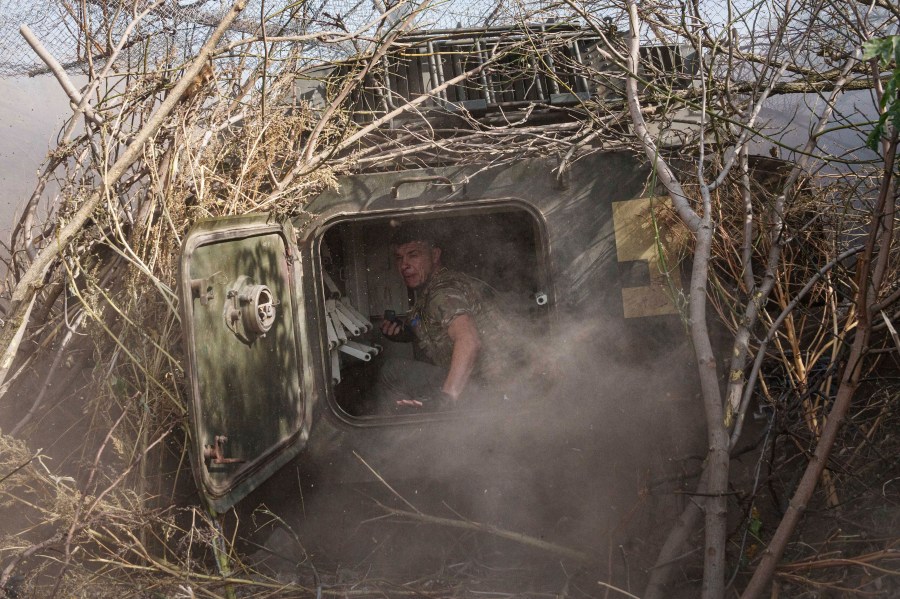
(502, 247)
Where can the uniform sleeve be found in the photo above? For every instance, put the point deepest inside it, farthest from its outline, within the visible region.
(446, 304)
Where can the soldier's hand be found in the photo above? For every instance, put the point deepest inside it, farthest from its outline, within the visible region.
(438, 401)
(391, 328)
(409, 403)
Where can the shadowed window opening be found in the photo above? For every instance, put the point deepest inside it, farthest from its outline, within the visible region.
(500, 247)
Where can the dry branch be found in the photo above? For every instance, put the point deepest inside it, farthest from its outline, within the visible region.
(31, 280)
(849, 383)
(492, 530)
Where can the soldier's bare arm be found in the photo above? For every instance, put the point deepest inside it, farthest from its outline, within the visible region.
(466, 345)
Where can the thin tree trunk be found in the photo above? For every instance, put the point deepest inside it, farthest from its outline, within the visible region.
(673, 549)
(717, 460)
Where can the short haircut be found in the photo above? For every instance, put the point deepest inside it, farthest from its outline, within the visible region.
(414, 231)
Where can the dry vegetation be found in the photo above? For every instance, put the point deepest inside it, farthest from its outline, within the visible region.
(92, 466)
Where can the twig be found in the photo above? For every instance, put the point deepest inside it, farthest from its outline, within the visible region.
(750, 385)
(891, 329)
(48, 378)
(60, 74)
(22, 465)
(610, 587)
(25, 290)
(492, 530)
(386, 484)
(10, 350)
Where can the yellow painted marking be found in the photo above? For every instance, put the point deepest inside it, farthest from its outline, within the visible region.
(636, 241)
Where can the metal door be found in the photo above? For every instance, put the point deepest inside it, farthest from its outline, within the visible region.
(242, 317)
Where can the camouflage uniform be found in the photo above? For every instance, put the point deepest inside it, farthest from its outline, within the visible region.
(447, 295)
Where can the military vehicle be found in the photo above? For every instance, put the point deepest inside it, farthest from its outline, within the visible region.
(281, 318)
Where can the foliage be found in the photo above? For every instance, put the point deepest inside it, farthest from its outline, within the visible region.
(97, 379)
(883, 52)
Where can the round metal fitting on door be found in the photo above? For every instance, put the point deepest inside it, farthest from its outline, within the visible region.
(250, 309)
(257, 309)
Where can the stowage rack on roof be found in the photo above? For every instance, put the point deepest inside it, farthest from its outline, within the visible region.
(545, 69)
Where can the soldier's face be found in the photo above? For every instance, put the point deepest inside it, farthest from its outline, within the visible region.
(417, 261)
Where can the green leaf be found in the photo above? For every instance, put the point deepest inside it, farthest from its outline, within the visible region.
(755, 526)
(883, 48)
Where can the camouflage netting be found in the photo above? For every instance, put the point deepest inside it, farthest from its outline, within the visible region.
(95, 490)
(178, 26)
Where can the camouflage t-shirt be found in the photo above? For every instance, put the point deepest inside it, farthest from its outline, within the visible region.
(447, 295)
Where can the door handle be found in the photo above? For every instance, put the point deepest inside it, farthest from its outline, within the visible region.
(395, 190)
(215, 453)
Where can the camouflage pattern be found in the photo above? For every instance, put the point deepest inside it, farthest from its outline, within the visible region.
(447, 295)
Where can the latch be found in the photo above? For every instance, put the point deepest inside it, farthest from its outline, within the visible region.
(202, 289)
(216, 454)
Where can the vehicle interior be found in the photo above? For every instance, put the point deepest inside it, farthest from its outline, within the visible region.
(502, 246)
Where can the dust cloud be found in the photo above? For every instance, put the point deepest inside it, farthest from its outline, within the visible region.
(32, 110)
(579, 453)
(582, 450)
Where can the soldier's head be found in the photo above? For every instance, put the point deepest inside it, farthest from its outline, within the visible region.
(416, 253)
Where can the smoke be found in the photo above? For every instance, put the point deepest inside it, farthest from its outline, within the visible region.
(581, 450)
(578, 452)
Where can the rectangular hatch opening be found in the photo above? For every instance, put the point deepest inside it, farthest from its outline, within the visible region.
(502, 246)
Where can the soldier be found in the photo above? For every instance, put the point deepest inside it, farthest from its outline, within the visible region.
(454, 323)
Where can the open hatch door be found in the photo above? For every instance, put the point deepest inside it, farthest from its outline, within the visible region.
(241, 314)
